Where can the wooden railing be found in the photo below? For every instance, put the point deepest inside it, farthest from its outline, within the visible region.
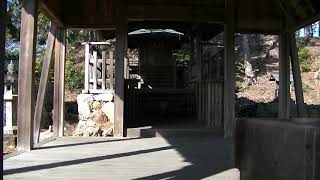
(99, 68)
(209, 102)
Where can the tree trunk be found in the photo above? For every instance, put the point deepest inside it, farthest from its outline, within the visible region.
(249, 75)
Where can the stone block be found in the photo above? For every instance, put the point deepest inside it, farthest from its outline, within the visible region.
(108, 109)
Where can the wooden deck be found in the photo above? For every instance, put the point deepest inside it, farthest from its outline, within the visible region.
(129, 158)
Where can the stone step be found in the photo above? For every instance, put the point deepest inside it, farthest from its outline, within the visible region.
(148, 132)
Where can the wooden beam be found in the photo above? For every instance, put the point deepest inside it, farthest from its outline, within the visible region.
(50, 13)
(286, 13)
(111, 71)
(284, 76)
(229, 70)
(175, 13)
(58, 98)
(62, 82)
(121, 57)
(43, 84)
(94, 73)
(103, 71)
(3, 12)
(28, 36)
(301, 109)
(306, 22)
(86, 70)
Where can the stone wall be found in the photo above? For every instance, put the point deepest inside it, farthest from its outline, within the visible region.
(96, 115)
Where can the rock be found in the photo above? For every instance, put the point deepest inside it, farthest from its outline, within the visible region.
(85, 128)
(317, 75)
(106, 97)
(98, 124)
(46, 134)
(96, 105)
(107, 129)
(99, 117)
(108, 110)
(84, 102)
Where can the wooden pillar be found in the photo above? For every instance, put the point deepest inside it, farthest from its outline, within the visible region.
(284, 76)
(86, 71)
(3, 11)
(58, 98)
(198, 53)
(121, 58)
(28, 35)
(94, 75)
(110, 70)
(103, 71)
(191, 52)
(229, 70)
(301, 109)
(43, 83)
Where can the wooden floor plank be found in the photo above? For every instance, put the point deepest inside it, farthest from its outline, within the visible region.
(125, 158)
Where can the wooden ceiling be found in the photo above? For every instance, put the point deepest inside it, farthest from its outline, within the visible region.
(261, 16)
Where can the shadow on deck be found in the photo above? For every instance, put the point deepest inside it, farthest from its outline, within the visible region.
(166, 157)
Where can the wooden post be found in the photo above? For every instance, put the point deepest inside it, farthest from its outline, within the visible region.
(284, 76)
(111, 69)
(3, 12)
(191, 52)
(301, 109)
(94, 77)
(58, 99)
(43, 84)
(103, 71)
(87, 64)
(229, 70)
(121, 54)
(28, 35)
(62, 81)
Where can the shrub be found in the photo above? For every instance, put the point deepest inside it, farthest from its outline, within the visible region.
(38, 69)
(304, 59)
(240, 68)
(305, 87)
(74, 74)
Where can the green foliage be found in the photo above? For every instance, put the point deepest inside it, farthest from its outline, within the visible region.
(13, 30)
(74, 73)
(305, 87)
(38, 69)
(182, 57)
(304, 59)
(42, 31)
(75, 37)
(240, 68)
(302, 42)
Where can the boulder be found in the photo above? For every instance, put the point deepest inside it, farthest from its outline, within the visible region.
(96, 105)
(84, 102)
(107, 129)
(99, 117)
(108, 110)
(106, 97)
(87, 128)
(98, 124)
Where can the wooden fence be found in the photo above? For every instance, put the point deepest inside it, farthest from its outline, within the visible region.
(209, 102)
(99, 68)
(146, 105)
